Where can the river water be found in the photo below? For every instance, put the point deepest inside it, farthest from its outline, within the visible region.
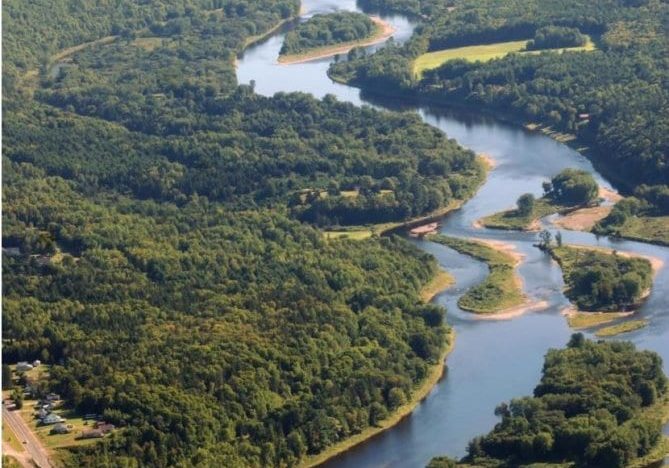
(493, 360)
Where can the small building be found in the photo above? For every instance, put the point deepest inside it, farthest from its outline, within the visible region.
(584, 116)
(52, 418)
(92, 434)
(90, 416)
(52, 397)
(37, 363)
(106, 428)
(42, 413)
(23, 366)
(60, 428)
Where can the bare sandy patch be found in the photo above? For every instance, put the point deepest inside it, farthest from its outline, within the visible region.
(505, 247)
(488, 160)
(517, 311)
(583, 219)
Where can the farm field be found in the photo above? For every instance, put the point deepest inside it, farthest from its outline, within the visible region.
(484, 53)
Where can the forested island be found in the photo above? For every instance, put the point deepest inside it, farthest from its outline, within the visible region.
(615, 99)
(567, 191)
(321, 31)
(602, 281)
(597, 404)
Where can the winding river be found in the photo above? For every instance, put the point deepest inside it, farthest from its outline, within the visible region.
(493, 360)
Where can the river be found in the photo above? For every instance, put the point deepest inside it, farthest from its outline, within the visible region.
(493, 360)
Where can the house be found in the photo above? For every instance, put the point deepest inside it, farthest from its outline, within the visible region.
(51, 418)
(42, 413)
(106, 428)
(23, 367)
(52, 397)
(60, 428)
(92, 434)
(11, 251)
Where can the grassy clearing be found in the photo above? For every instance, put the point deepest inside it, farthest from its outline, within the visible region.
(354, 234)
(624, 327)
(514, 221)
(55, 441)
(500, 290)
(653, 229)
(9, 438)
(485, 53)
(441, 281)
(592, 319)
(148, 43)
(10, 462)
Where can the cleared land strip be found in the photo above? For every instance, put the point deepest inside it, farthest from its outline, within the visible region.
(32, 444)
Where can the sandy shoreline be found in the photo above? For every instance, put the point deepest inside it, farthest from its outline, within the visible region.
(385, 31)
(584, 219)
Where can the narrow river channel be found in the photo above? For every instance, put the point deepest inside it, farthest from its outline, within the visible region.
(493, 360)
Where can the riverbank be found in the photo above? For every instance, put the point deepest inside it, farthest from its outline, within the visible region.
(384, 31)
(404, 411)
(441, 281)
(382, 229)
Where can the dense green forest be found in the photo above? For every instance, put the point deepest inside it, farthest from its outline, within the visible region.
(615, 99)
(328, 29)
(155, 250)
(597, 405)
(602, 281)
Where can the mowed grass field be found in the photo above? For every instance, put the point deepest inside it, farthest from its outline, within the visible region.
(484, 53)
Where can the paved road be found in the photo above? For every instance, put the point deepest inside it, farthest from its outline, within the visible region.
(32, 445)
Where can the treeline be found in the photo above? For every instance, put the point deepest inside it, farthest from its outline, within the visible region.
(554, 37)
(615, 98)
(593, 407)
(327, 29)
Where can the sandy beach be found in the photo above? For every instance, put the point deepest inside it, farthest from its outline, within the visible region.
(584, 219)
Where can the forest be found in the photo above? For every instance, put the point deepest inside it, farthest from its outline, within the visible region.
(598, 404)
(327, 29)
(602, 281)
(168, 286)
(614, 99)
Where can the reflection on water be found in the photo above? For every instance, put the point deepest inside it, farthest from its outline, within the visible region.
(492, 361)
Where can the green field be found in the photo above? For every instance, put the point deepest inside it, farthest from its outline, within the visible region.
(592, 319)
(624, 327)
(500, 290)
(647, 229)
(484, 53)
